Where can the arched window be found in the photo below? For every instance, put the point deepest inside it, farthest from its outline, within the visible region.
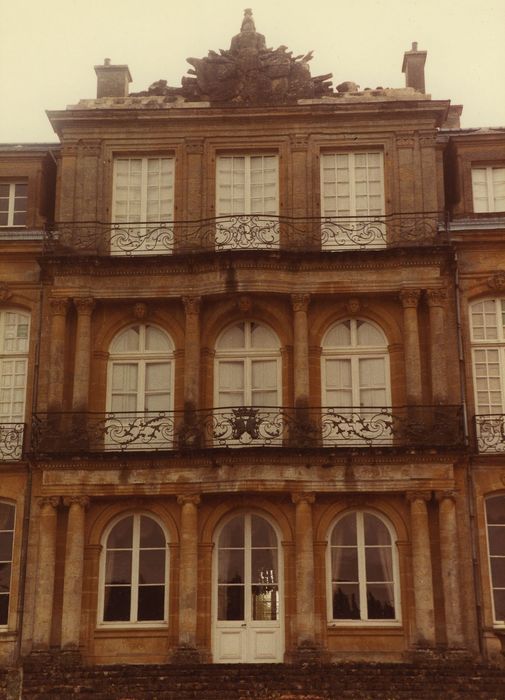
(495, 518)
(7, 514)
(247, 383)
(134, 571)
(355, 365)
(140, 389)
(363, 583)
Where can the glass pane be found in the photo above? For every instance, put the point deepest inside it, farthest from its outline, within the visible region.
(375, 530)
(4, 609)
(230, 603)
(369, 335)
(499, 605)
(495, 510)
(344, 564)
(498, 571)
(339, 335)
(5, 577)
(124, 378)
(265, 602)
(158, 376)
(233, 337)
(262, 533)
(232, 534)
(127, 341)
(231, 566)
(344, 532)
(231, 376)
(379, 566)
(118, 568)
(345, 602)
(496, 534)
(264, 566)
(157, 340)
(380, 602)
(151, 603)
(338, 374)
(151, 534)
(121, 535)
(152, 566)
(6, 516)
(116, 607)
(264, 374)
(6, 546)
(263, 337)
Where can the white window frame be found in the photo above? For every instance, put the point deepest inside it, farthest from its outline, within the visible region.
(247, 184)
(152, 624)
(15, 356)
(500, 624)
(489, 202)
(11, 561)
(495, 344)
(363, 622)
(11, 202)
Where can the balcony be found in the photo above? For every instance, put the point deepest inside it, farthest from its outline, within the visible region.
(246, 232)
(490, 433)
(11, 441)
(412, 427)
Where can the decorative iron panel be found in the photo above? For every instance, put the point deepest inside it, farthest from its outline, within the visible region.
(11, 441)
(490, 429)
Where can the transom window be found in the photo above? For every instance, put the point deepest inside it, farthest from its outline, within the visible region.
(488, 185)
(14, 332)
(13, 203)
(363, 570)
(248, 366)
(355, 365)
(7, 515)
(134, 571)
(495, 517)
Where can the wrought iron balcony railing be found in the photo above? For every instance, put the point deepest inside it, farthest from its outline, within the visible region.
(249, 426)
(11, 441)
(490, 432)
(246, 232)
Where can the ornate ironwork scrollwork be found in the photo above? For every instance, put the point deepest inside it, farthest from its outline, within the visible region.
(11, 441)
(490, 429)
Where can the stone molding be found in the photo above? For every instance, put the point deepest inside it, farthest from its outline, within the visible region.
(59, 306)
(302, 497)
(436, 297)
(194, 146)
(353, 306)
(300, 302)
(53, 501)
(412, 496)
(443, 495)
(410, 298)
(405, 140)
(497, 281)
(84, 305)
(5, 292)
(191, 305)
(245, 304)
(140, 310)
(194, 499)
(82, 501)
(298, 142)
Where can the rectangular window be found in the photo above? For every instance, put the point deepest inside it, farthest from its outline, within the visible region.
(488, 186)
(352, 189)
(247, 185)
(13, 203)
(143, 195)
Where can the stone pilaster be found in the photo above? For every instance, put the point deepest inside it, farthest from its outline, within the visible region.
(409, 299)
(305, 618)
(421, 569)
(436, 303)
(59, 309)
(300, 303)
(188, 574)
(84, 306)
(192, 352)
(44, 590)
(450, 568)
(72, 581)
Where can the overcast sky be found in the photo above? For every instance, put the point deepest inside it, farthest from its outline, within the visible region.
(48, 47)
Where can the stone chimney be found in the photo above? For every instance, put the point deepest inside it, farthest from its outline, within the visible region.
(112, 81)
(413, 67)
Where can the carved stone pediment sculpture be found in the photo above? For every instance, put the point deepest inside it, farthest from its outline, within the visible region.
(248, 73)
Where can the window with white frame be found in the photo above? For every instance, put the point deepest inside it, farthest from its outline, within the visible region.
(495, 518)
(140, 387)
(245, 185)
(352, 187)
(7, 516)
(13, 203)
(14, 338)
(144, 195)
(488, 351)
(363, 577)
(488, 186)
(134, 571)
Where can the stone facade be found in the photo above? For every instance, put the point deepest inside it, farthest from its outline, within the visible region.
(84, 275)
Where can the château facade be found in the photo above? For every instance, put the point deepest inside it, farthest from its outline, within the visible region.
(252, 371)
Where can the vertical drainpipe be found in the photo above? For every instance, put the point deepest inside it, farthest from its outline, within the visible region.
(469, 475)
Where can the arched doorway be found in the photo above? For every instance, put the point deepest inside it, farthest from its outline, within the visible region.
(247, 610)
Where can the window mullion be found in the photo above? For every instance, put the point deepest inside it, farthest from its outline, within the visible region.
(247, 184)
(143, 190)
(247, 567)
(135, 568)
(489, 189)
(360, 538)
(352, 184)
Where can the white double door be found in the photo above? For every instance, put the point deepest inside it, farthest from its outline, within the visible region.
(247, 618)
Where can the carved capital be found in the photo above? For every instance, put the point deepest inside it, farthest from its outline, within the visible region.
(192, 498)
(245, 304)
(194, 146)
(299, 142)
(444, 495)
(140, 310)
(82, 501)
(191, 305)
(497, 281)
(405, 140)
(300, 302)
(301, 497)
(59, 306)
(412, 496)
(410, 298)
(353, 306)
(427, 140)
(84, 305)
(53, 501)
(436, 297)
(5, 291)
